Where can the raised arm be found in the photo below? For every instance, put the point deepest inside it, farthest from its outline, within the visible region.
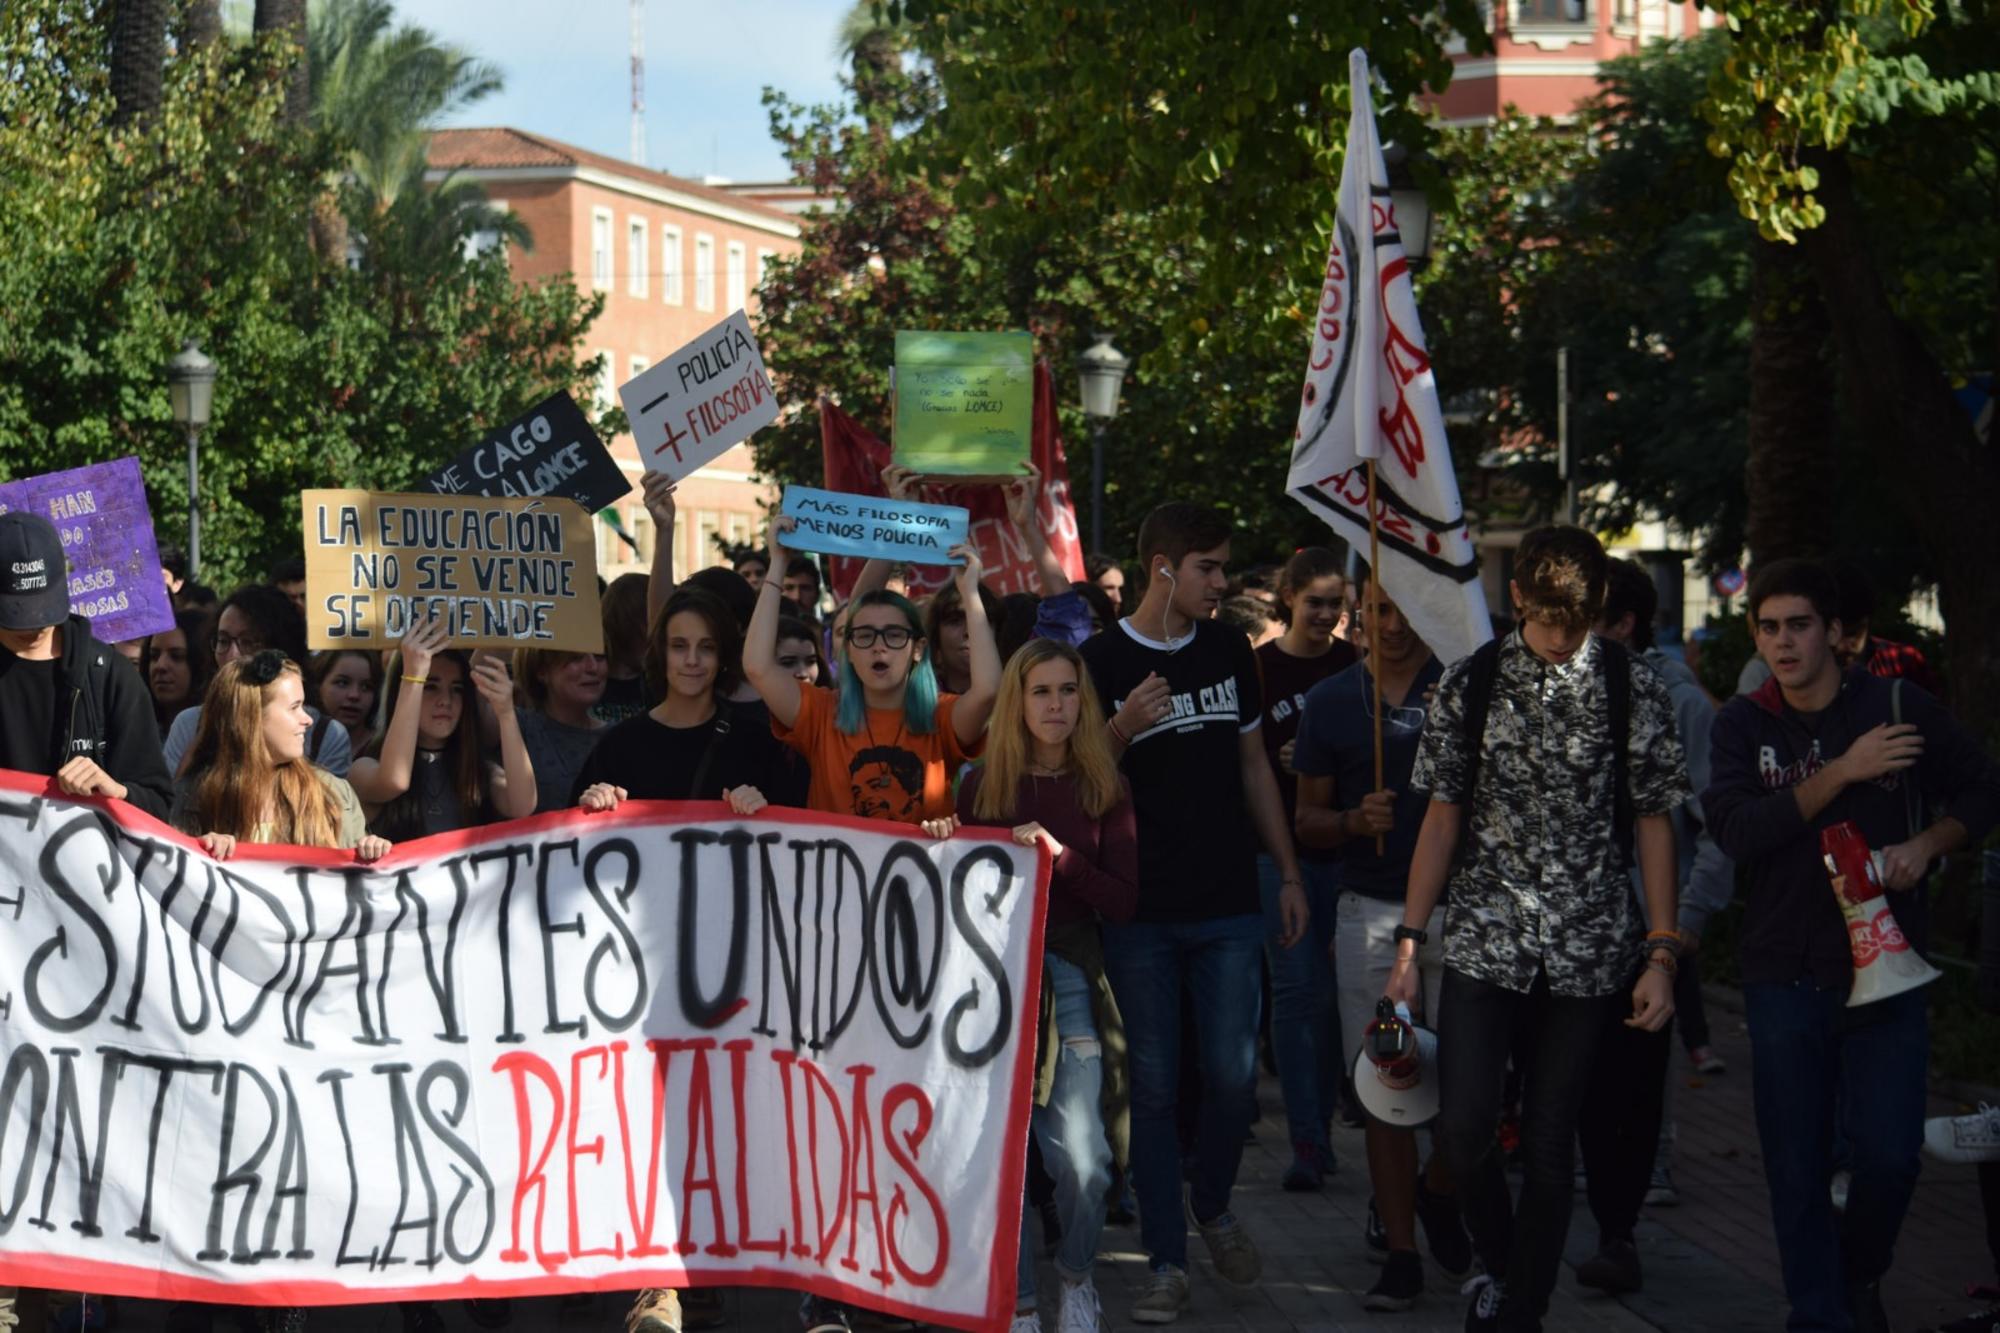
(778, 688)
(377, 781)
(1024, 495)
(969, 715)
(514, 792)
(658, 488)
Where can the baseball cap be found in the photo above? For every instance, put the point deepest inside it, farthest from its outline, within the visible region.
(34, 582)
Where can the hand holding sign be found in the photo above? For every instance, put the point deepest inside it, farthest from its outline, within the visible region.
(422, 642)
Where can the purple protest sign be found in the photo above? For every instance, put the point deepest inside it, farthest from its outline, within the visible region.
(107, 537)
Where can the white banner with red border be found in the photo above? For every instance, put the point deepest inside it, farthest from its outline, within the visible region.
(665, 1046)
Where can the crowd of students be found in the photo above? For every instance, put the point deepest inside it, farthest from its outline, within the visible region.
(1554, 819)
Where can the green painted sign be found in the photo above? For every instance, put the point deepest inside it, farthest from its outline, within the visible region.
(964, 402)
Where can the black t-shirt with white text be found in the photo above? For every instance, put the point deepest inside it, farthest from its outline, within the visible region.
(1197, 846)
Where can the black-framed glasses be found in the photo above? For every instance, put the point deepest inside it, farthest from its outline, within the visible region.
(892, 636)
(224, 643)
(265, 667)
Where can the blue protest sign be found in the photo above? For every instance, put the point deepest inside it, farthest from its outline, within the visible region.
(107, 536)
(869, 527)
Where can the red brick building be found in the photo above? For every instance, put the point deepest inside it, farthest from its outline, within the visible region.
(1547, 52)
(671, 257)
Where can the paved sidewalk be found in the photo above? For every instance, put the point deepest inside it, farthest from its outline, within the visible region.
(1710, 1264)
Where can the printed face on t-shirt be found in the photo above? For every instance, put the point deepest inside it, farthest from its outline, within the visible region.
(887, 782)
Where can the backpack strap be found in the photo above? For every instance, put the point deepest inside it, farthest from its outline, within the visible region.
(1616, 664)
(715, 740)
(317, 737)
(1480, 674)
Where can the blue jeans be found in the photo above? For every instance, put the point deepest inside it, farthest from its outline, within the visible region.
(1070, 1132)
(1217, 960)
(1305, 1004)
(1810, 1053)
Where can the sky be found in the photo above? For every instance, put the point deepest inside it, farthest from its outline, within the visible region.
(568, 72)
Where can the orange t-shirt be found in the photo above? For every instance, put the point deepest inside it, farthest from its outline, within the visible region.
(883, 771)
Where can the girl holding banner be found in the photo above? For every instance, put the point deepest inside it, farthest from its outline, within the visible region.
(1050, 776)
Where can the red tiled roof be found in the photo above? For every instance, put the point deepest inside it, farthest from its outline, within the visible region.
(502, 148)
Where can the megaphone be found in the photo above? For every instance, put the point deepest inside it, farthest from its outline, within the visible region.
(1884, 963)
(1395, 1072)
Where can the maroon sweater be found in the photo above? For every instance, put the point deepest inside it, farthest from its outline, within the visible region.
(1097, 875)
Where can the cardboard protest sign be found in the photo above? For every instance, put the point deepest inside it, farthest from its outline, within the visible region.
(107, 537)
(658, 1047)
(870, 527)
(710, 395)
(963, 402)
(549, 449)
(500, 573)
(854, 458)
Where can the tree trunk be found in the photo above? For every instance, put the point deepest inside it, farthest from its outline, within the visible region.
(1790, 472)
(202, 25)
(138, 54)
(1930, 460)
(289, 16)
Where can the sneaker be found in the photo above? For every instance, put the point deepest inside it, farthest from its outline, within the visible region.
(1304, 1176)
(1706, 1061)
(1080, 1311)
(1375, 1236)
(701, 1307)
(1837, 1188)
(1965, 1138)
(657, 1310)
(1483, 1314)
(1231, 1250)
(1025, 1321)
(1979, 1321)
(1660, 1191)
(1613, 1270)
(1164, 1297)
(1402, 1281)
(1444, 1230)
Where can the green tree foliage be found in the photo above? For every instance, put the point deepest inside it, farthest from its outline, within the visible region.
(122, 242)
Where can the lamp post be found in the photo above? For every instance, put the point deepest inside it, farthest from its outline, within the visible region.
(1412, 206)
(1100, 373)
(191, 390)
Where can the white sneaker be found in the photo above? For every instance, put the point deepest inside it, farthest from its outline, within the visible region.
(1165, 1296)
(1965, 1138)
(1025, 1321)
(1081, 1312)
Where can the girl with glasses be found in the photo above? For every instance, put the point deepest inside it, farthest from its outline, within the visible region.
(886, 744)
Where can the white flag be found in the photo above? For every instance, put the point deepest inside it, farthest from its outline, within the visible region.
(1369, 393)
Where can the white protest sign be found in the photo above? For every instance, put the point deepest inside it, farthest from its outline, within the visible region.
(692, 407)
(660, 1047)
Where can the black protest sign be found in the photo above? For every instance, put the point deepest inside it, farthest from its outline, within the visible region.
(548, 450)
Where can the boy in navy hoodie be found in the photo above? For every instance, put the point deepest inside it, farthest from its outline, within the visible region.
(1813, 746)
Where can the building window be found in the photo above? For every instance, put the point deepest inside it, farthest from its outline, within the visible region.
(1553, 13)
(485, 239)
(639, 364)
(605, 393)
(600, 249)
(739, 276)
(670, 264)
(637, 251)
(704, 272)
(764, 258)
(706, 524)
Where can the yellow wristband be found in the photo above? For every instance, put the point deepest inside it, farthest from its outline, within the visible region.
(416, 680)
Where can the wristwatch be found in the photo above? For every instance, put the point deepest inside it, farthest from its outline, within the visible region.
(1411, 933)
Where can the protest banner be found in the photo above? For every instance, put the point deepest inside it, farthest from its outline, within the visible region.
(853, 458)
(107, 538)
(549, 449)
(499, 573)
(692, 407)
(963, 402)
(659, 1047)
(869, 527)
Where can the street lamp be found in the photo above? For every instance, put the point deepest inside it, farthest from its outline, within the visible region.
(1412, 206)
(191, 390)
(1100, 372)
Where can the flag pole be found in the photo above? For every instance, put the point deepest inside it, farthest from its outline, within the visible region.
(1374, 638)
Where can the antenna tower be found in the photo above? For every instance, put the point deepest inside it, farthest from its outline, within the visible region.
(639, 82)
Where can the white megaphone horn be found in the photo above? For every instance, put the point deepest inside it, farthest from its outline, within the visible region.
(1884, 962)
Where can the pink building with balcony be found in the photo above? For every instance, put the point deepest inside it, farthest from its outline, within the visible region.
(1547, 52)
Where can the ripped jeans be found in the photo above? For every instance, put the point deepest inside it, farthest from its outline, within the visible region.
(1070, 1132)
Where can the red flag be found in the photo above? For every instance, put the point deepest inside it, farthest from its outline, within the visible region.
(854, 459)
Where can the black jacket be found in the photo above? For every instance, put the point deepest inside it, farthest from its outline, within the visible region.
(1760, 749)
(109, 720)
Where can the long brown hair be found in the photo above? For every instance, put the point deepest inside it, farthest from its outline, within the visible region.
(1009, 746)
(402, 819)
(233, 772)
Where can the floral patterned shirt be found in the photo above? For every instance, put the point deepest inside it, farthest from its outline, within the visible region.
(1540, 884)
